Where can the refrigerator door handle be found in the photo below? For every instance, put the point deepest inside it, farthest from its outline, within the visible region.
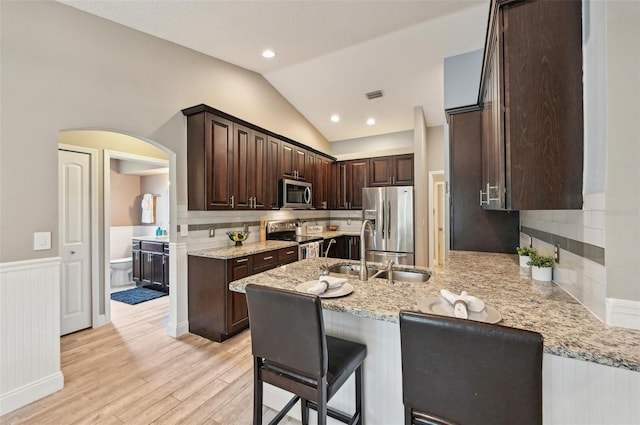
(382, 227)
(389, 221)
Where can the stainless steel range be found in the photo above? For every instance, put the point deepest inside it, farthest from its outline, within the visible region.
(287, 230)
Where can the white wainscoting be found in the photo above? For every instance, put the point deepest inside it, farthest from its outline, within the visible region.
(29, 332)
(575, 392)
(586, 393)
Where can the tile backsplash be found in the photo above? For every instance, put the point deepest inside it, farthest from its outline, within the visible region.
(581, 237)
(200, 221)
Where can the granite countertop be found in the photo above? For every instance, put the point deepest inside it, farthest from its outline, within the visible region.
(569, 329)
(336, 234)
(152, 238)
(228, 252)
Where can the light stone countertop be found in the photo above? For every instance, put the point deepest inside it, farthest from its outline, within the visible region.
(329, 234)
(569, 329)
(152, 238)
(232, 251)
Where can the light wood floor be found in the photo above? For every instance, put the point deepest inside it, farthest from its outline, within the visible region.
(131, 372)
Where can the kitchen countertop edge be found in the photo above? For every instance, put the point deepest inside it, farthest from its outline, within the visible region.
(230, 252)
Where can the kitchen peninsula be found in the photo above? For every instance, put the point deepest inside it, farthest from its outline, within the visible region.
(577, 345)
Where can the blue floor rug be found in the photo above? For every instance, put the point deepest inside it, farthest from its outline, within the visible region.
(136, 295)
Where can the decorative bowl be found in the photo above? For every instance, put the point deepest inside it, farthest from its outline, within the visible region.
(333, 228)
(238, 236)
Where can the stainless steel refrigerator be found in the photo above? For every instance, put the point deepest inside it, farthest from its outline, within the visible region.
(390, 209)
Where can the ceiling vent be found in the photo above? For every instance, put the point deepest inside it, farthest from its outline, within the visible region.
(374, 94)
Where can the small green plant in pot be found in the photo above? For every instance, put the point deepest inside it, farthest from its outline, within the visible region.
(541, 267)
(525, 255)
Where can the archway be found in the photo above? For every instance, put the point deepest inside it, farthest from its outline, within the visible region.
(102, 145)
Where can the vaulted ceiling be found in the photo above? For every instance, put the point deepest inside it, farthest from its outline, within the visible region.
(329, 53)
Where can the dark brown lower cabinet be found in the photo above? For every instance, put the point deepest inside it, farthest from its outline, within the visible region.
(472, 227)
(346, 247)
(151, 264)
(216, 312)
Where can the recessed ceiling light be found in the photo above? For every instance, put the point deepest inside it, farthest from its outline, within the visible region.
(335, 117)
(371, 121)
(268, 54)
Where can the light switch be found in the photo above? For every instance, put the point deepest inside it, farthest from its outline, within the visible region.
(41, 241)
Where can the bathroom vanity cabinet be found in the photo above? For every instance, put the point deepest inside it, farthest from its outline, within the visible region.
(151, 264)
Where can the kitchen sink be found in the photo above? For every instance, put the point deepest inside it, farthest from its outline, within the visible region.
(403, 275)
(350, 269)
(406, 276)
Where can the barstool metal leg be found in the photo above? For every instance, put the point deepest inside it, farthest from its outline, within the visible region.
(359, 395)
(257, 392)
(322, 402)
(305, 411)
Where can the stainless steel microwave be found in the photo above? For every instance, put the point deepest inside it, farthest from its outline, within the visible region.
(295, 194)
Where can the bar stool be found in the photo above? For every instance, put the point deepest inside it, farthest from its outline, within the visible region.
(291, 351)
(457, 371)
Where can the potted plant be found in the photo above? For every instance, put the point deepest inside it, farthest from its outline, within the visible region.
(525, 255)
(541, 267)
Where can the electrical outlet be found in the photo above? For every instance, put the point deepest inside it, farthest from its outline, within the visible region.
(556, 253)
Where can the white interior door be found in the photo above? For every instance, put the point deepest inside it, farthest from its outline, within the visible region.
(74, 195)
(439, 220)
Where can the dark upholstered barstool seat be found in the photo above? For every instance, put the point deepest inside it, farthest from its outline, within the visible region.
(292, 351)
(463, 372)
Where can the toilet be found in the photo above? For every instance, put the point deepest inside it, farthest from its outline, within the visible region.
(121, 271)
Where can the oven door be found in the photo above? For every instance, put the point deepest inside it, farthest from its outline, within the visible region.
(310, 250)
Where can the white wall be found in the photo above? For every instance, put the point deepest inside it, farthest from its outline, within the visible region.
(380, 145)
(462, 79)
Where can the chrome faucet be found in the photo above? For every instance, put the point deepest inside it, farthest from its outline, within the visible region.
(325, 267)
(364, 273)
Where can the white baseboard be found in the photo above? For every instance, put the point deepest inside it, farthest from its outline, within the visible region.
(623, 313)
(31, 392)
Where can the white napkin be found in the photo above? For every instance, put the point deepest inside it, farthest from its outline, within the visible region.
(324, 283)
(462, 303)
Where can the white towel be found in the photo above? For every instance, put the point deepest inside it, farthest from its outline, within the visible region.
(324, 283)
(462, 303)
(147, 208)
(313, 250)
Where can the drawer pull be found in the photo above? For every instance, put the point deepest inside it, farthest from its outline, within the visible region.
(290, 252)
(244, 260)
(268, 258)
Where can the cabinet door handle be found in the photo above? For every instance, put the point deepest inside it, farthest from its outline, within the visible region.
(231, 199)
(244, 260)
(267, 258)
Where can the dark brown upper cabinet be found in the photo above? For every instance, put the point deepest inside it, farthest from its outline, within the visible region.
(473, 228)
(322, 189)
(293, 161)
(249, 168)
(209, 162)
(394, 170)
(233, 164)
(348, 179)
(532, 106)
